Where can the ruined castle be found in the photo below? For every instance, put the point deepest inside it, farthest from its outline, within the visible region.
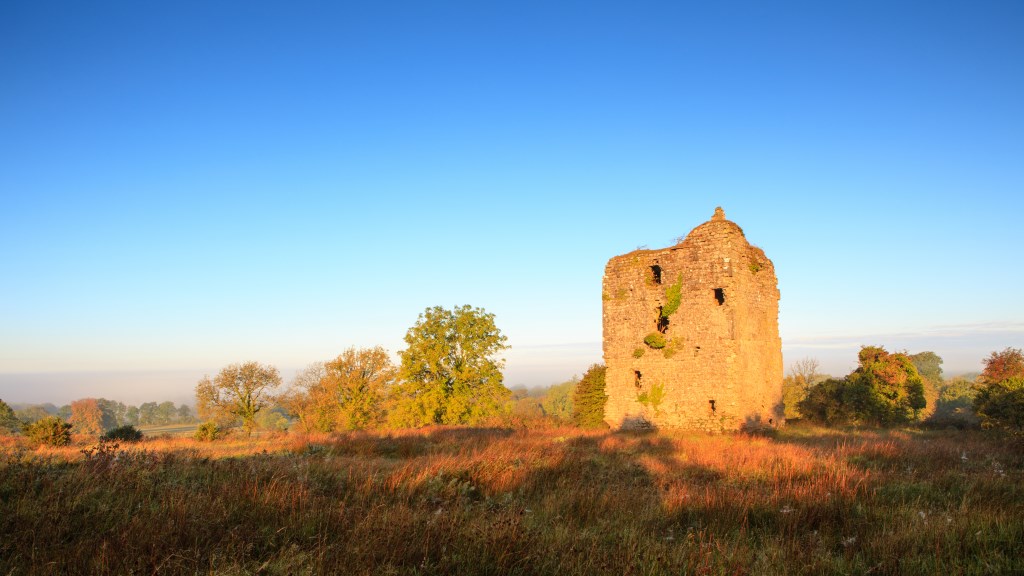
(691, 334)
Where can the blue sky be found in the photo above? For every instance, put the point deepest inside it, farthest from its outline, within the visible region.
(185, 185)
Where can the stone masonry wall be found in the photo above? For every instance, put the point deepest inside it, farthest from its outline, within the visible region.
(721, 365)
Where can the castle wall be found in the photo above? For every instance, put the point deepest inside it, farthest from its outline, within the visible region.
(721, 366)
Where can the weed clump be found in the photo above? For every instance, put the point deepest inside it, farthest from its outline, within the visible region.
(655, 340)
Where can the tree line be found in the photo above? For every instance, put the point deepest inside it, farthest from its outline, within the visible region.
(96, 415)
(449, 373)
(901, 388)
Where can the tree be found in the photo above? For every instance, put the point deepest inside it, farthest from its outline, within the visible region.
(558, 401)
(1001, 405)
(86, 417)
(450, 373)
(184, 415)
(131, 415)
(8, 421)
(147, 413)
(589, 398)
(113, 413)
(166, 413)
(347, 393)
(1000, 399)
(805, 371)
(238, 392)
(802, 375)
(302, 400)
(929, 366)
(1003, 365)
(884, 390)
(824, 403)
(359, 382)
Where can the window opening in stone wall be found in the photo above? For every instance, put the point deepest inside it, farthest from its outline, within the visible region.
(696, 350)
(720, 295)
(662, 321)
(712, 402)
(656, 274)
(636, 378)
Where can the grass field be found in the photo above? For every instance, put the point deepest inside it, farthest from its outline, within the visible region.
(169, 430)
(496, 501)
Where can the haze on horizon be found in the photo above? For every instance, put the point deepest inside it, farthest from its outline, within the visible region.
(189, 185)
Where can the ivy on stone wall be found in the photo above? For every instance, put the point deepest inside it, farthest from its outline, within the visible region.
(652, 397)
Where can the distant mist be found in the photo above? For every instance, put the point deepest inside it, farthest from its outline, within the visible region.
(962, 349)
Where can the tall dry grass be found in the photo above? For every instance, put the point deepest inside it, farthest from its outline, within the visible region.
(495, 501)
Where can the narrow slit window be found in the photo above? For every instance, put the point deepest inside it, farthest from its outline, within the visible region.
(720, 295)
(656, 274)
(712, 403)
(662, 321)
(636, 378)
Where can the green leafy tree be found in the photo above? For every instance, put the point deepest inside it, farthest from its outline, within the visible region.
(884, 390)
(51, 431)
(359, 381)
(824, 403)
(237, 393)
(147, 414)
(1001, 405)
(450, 372)
(1000, 399)
(131, 415)
(166, 413)
(113, 413)
(8, 421)
(184, 415)
(589, 398)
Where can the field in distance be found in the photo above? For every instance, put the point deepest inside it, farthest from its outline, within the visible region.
(502, 501)
(169, 430)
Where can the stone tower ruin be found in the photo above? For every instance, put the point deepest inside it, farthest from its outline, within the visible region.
(691, 334)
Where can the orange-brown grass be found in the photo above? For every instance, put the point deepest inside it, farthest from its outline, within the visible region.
(497, 501)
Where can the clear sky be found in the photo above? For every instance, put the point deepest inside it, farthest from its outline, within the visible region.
(185, 185)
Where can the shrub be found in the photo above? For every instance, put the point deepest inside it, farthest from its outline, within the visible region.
(673, 297)
(884, 390)
(823, 403)
(208, 432)
(126, 433)
(655, 340)
(51, 431)
(589, 398)
(1001, 405)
